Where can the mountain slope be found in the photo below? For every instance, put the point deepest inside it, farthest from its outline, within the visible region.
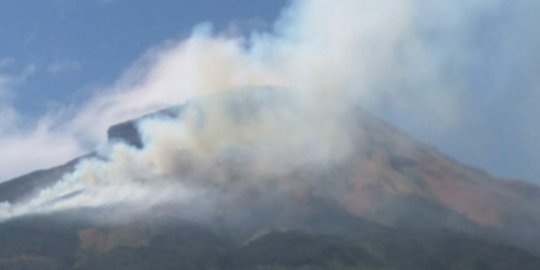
(28, 185)
(27, 244)
(392, 203)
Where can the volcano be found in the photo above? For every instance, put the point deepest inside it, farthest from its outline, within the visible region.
(376, 199)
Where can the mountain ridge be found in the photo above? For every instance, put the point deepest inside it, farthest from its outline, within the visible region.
(392, 186)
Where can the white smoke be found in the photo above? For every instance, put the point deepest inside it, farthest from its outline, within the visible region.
(380, 53)
(215, 142)
(362, 48)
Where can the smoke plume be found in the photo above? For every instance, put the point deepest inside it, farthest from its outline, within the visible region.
(325, 57)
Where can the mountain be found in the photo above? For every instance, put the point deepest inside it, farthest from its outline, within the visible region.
(392, 203)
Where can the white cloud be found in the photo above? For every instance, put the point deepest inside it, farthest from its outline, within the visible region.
(63, 67)
(331, 48)
(376, 51)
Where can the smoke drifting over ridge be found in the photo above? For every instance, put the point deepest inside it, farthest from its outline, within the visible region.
(333, 54)
(322, 46)
(219, 144)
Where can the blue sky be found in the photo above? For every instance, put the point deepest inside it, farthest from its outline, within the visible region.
(471, 87)
(71, 47)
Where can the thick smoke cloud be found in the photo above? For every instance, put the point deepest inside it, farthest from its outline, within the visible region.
(219, 144)
(304, 51)
(389, 56)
